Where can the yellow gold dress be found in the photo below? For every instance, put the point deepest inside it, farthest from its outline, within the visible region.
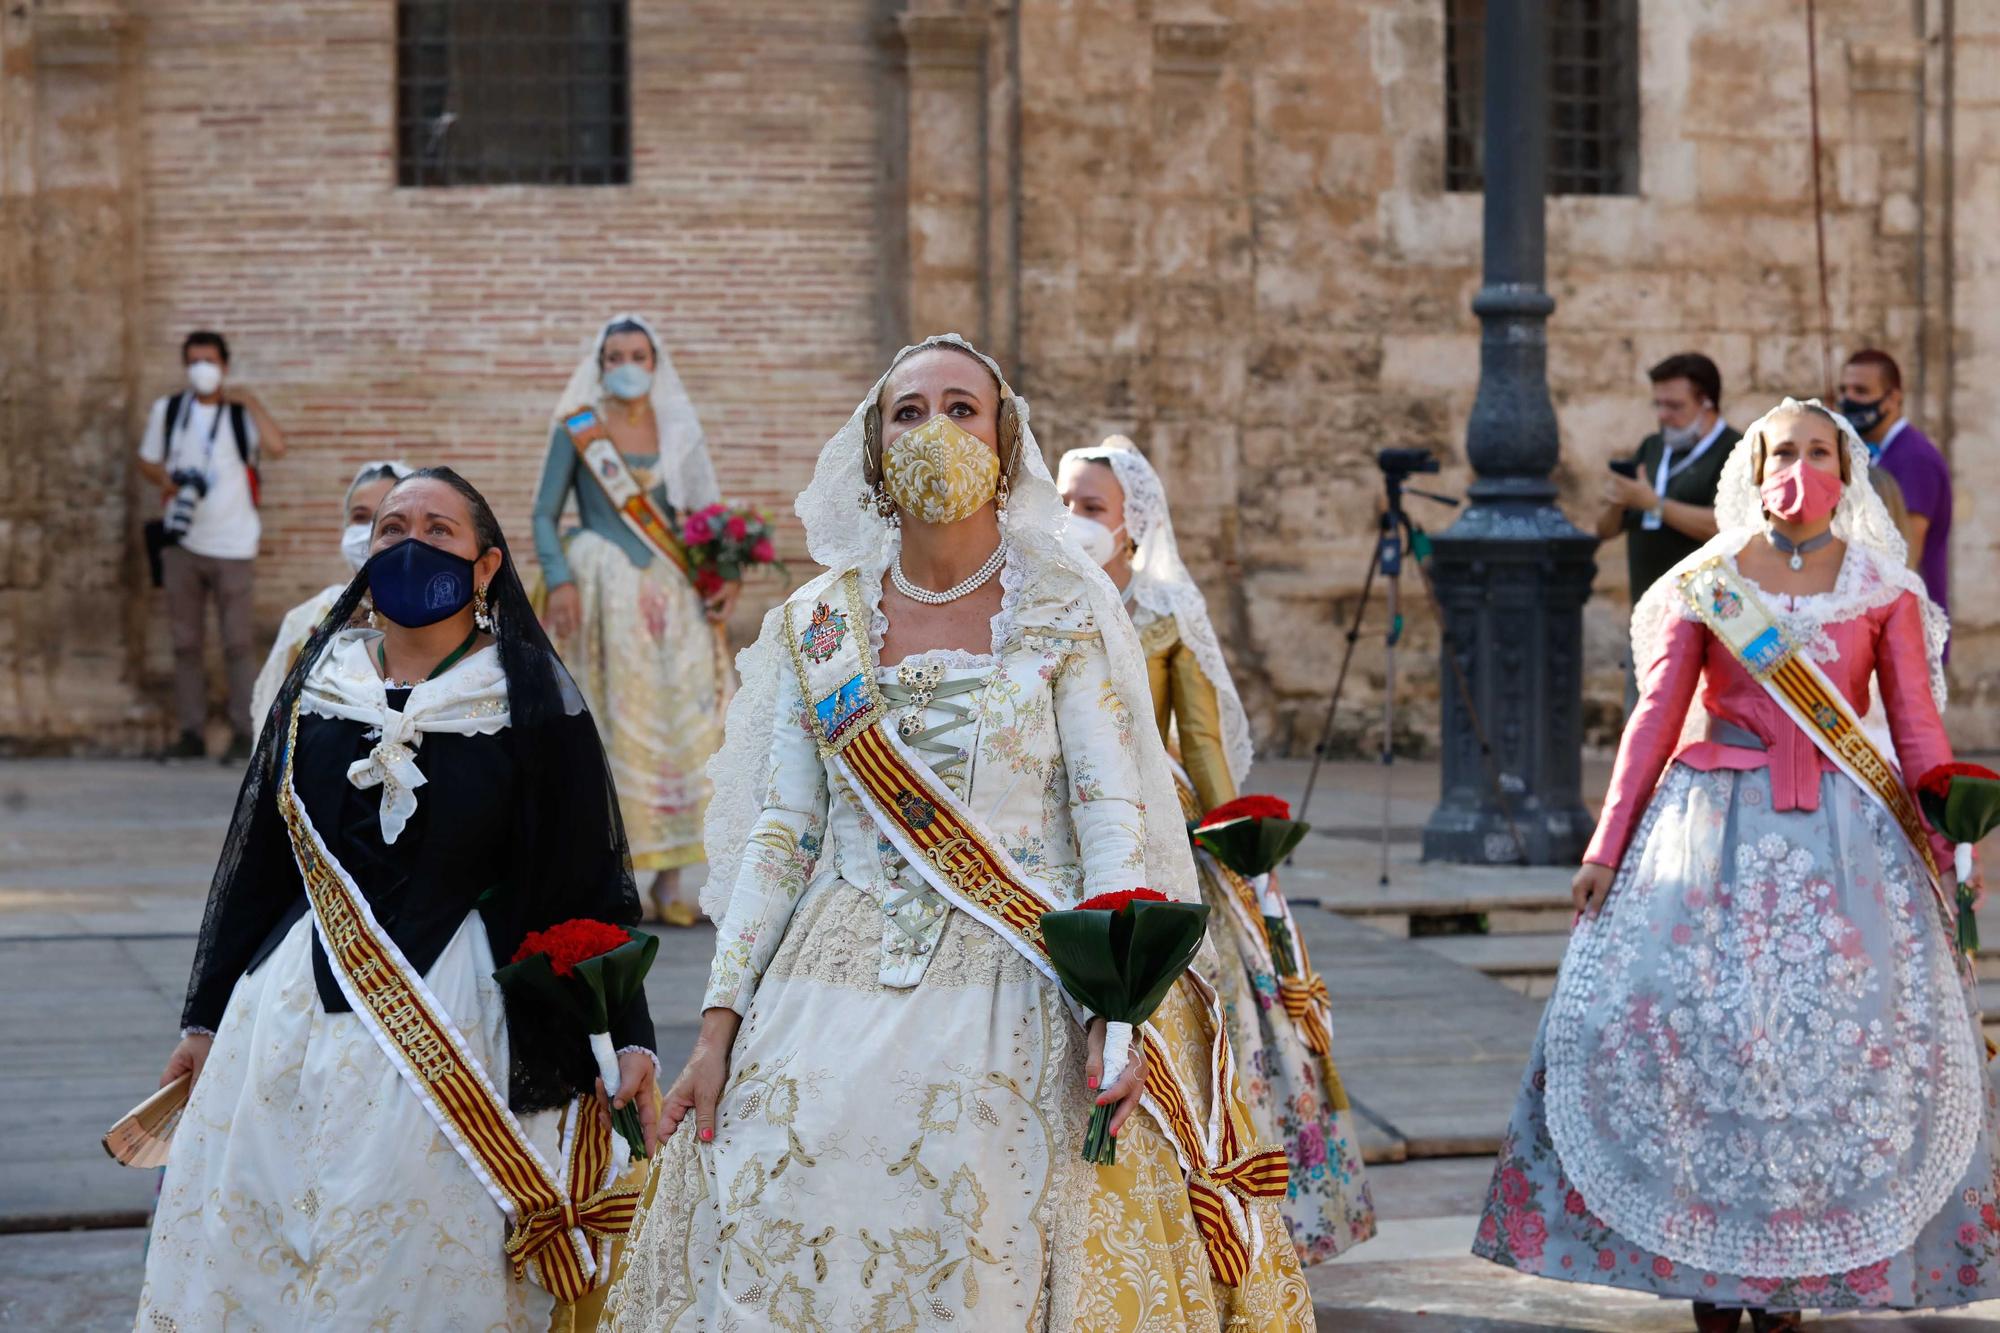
(1295, 1096)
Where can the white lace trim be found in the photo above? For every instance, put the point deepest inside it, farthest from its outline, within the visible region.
(641, 1050)
(844, 532)
(196, 1030)
(1162, 585)
(1874, 573)
(1013, 577)
(684, 464)
(1633, 1195)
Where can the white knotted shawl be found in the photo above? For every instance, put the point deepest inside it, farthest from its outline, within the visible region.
(468, 700)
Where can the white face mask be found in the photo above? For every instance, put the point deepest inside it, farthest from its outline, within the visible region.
(204, 377)
(354, 543)
(1094, 539)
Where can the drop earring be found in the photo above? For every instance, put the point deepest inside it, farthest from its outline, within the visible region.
(481, 616)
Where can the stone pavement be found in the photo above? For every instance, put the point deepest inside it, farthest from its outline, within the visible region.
(103, 871)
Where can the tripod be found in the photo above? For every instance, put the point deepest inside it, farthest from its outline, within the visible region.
(1394, 528)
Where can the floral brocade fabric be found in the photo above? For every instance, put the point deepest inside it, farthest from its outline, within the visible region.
(1760, 1078)
(648, 663)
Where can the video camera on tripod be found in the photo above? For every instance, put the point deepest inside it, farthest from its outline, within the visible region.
(1395, 526)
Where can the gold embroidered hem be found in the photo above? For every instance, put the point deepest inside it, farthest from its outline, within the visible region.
(306, 1186)
(645, 659)
(924, 1169)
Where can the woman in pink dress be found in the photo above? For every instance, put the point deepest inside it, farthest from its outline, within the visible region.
(1760, 1083)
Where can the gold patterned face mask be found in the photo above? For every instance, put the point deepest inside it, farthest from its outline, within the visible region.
(940, 472)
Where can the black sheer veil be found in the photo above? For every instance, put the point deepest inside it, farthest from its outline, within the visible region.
(566, 772)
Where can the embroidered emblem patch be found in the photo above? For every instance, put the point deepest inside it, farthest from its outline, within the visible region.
(838, 711)
(824, 634)
(917, 812)
(1724, 601)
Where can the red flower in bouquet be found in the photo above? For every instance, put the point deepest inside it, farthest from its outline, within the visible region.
(1111, 902)
(1249, 807)
(1938, 780)
(698, 530)
(763, 552)
(708, 582)
(571, 942)
(585, 971)
(735, 528)
(1962, 803)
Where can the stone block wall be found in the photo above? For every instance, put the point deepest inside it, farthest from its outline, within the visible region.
(1217, 225)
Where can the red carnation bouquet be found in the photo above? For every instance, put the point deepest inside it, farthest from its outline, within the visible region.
(1962, 801)
(1116, 955)
(1251, 835)
(586, 971)
(723, 541)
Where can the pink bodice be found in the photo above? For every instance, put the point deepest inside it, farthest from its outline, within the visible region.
(1887, 641)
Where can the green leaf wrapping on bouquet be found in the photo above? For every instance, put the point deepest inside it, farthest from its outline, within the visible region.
(1963, 806)
(1252, 847)
(532, 979)
(613, 979)
(1119, 965)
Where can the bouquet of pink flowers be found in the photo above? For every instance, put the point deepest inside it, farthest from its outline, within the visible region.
(723, 540)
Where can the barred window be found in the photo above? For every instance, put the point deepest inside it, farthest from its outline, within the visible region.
(512, 92)
(1593, 96)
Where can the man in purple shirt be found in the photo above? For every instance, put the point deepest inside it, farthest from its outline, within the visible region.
(1871, 396)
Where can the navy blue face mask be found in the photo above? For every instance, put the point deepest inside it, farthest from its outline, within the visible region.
(417, 584)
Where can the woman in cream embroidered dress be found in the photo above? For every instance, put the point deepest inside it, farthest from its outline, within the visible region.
(890, 1099)
(1760, 1081)
(307, 1186)
(643, 645)
(1119, 517)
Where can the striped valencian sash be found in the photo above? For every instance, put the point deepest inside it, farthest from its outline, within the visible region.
(559, 1219)
(634, 503)
(827, 639)
(1726, 603)
(1304, 994)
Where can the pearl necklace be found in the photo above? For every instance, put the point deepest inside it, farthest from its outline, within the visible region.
(971, 583)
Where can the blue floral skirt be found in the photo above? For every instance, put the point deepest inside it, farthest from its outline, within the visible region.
(1760, 1080)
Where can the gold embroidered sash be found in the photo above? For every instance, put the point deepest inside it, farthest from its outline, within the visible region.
(559, 1219)
(945, 842)
(1732, 610)
(606, 466)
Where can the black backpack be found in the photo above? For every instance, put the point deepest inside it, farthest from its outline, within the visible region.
(238, 427)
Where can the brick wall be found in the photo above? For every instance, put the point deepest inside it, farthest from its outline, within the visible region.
(1218, 227)
(439, 325)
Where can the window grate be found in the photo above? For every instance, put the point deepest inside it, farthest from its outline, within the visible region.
(1593, 96)
(512, 92)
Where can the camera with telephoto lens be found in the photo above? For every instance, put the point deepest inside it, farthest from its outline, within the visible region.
(190, 488)
(1402, 462)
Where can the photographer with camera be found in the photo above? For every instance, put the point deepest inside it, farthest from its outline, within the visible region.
(201, 451)
(1663, 497)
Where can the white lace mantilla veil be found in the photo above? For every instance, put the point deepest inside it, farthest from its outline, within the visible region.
(1875, 572)
(1161, 582)
(684, 466)
(843, 534)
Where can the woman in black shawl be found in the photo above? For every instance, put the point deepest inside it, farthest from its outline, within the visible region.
(449, 766)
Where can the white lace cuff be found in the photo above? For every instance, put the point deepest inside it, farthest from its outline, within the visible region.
(624, 1051)
(194, 1030)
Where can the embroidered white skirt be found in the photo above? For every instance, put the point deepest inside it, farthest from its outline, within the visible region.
(308, 1188)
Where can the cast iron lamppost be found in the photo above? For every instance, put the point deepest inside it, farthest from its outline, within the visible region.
(1512, 573)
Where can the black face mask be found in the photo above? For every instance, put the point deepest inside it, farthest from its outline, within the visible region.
(1864, 417)
(417, 584)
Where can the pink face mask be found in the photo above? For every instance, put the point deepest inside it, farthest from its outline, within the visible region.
(1800, 493)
